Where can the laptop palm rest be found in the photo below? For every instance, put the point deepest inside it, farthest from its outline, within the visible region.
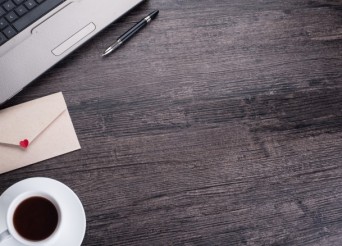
(61, 27)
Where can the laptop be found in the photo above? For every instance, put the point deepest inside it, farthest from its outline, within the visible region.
(37, 34)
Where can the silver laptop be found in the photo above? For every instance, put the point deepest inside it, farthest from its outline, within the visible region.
(36, 34)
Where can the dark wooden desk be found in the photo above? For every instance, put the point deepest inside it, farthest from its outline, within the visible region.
(219, 124)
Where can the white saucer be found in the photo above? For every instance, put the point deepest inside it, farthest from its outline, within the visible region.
(74, 229)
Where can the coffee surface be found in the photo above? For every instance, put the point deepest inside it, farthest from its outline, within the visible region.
(35, 219)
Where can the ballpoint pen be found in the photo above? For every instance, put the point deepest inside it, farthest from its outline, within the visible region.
(131, 32)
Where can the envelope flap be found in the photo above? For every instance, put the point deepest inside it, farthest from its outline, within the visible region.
(28, 120)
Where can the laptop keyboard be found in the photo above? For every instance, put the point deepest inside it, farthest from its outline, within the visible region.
(16, 15)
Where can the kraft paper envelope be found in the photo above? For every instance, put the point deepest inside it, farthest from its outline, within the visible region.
(35, 131)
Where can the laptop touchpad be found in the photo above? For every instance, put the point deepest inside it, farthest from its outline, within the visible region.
(74, 39)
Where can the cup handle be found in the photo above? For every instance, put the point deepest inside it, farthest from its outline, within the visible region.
(4, 236)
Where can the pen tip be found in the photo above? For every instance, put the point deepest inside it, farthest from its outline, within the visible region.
(113, 47)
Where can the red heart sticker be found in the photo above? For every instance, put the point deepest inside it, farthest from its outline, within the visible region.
(24, 144)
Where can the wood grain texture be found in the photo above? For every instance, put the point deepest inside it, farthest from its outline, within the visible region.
(219, 124)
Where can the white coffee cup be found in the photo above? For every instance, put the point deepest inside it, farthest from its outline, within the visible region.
(11, 232)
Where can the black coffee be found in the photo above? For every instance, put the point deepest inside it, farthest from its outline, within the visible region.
(35, 219)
